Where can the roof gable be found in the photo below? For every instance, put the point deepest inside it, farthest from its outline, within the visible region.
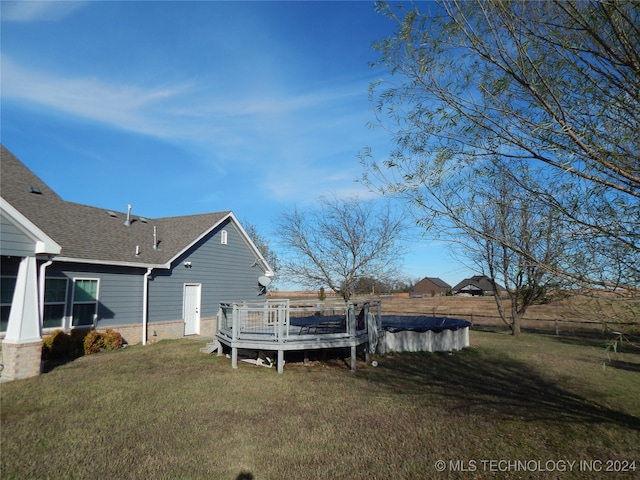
(430, 282)
(479, 282)
(42, 243)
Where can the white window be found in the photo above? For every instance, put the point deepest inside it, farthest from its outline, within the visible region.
(55, 299)
(223, 237)
(85, 301)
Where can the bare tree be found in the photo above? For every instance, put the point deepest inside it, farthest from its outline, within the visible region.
(552, 88)
(264, 246)
(513, 239)
(339, 241)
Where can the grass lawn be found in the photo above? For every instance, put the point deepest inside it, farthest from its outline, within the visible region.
(168, 411)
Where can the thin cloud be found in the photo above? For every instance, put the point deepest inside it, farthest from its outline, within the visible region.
(156, 110)
(299, 130)
(307, 183)
(38, 11)
(123, 106)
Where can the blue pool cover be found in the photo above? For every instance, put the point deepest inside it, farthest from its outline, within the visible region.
(398, 323)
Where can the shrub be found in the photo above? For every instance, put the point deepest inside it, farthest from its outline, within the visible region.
(92, 342)
(47, 342)
(95, 341)
(111, 339)
(60, 345)
(77, 341)
(56, 346)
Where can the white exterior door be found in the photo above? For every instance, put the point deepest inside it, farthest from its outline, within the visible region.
(192, 309)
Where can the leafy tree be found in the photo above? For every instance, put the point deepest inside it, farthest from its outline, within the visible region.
(551, 90)
(339, 241)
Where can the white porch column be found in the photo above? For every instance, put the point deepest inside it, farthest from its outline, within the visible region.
(22, 345)
(24, 318)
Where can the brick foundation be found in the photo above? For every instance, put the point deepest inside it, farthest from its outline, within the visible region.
(132, 334)
(208, 326)
(21, 360)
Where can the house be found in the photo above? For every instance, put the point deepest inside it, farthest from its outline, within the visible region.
(66, 266)
(431, 286)
(476, 285)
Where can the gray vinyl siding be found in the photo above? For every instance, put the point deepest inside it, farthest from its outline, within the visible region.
(225, 272)
(13, 241)
(119, 294)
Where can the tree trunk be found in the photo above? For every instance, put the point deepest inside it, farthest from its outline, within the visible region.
(515, 323)
(515, 327)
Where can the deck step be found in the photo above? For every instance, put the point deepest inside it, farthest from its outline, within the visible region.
(211, 347)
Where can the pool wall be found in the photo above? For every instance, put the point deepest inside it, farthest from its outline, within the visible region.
(423, 334)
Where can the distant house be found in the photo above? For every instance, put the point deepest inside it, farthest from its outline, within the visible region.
(477, 285)
(69, 266)
(431, 286)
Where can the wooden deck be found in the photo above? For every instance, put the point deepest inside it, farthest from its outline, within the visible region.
(281, 325)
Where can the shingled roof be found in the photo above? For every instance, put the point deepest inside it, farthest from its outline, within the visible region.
(438, 282)
(96, 235)
(478, 282)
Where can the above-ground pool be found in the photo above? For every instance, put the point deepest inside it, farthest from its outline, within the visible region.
(422, 334)
(283, 326)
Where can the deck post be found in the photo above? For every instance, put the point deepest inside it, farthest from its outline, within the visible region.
(353, 358)
(234, 357)
(280, 361)
(234, 323)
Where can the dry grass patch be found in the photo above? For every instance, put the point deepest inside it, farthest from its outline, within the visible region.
(168, 411)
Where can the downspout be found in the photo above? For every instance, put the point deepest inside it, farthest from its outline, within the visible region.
(41, 285)
(145, 305)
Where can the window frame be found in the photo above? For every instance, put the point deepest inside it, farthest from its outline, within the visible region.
(56, 303)
(75, 302)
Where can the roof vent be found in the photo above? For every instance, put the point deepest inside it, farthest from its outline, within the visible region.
(112, 214)
(35, 190)
(127, 222)
(143, 220)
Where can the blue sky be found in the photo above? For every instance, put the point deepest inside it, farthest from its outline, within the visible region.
(180, 108)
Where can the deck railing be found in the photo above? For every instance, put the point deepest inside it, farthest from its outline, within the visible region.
(284, 325)
(283, 320)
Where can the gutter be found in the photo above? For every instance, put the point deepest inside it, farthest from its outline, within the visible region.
(145, 305)
(115, 263)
